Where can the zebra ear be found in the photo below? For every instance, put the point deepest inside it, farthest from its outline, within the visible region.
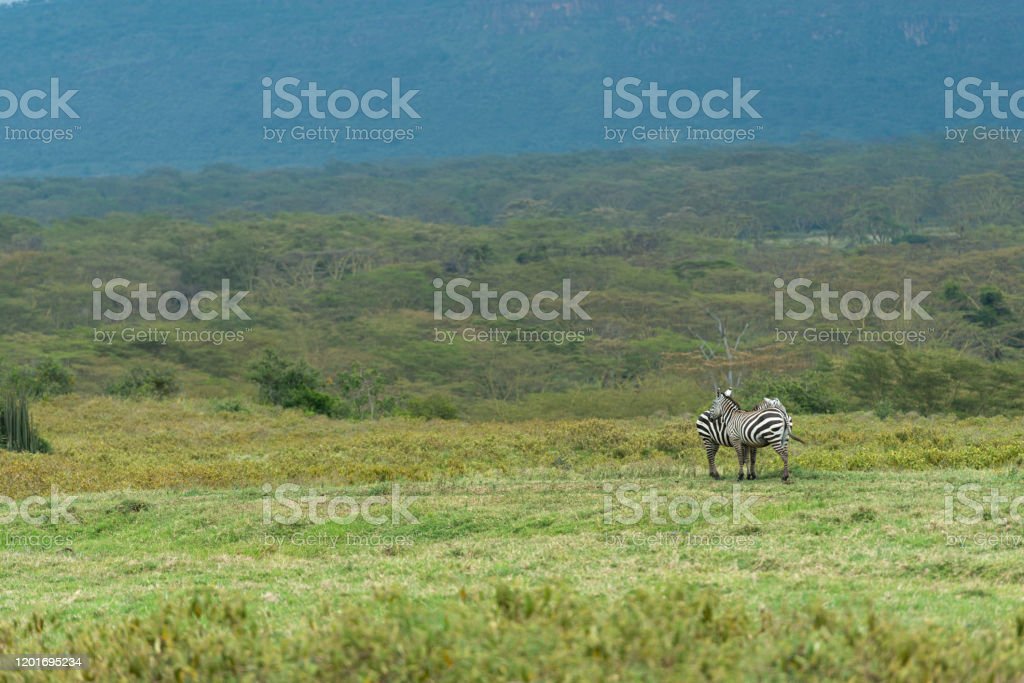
(717, 390)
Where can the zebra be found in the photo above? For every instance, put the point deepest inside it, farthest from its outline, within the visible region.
(769, 403)
(712, 434)
(768, 426)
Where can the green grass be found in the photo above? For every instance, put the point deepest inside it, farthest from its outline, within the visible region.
(511, 570)
(105, 444)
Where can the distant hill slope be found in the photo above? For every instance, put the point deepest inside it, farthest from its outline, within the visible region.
(663, 244)
(180, 84)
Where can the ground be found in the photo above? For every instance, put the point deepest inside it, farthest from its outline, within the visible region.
(514, 556)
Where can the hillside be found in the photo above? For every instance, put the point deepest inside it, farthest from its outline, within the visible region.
(181, 84)
(663, 257)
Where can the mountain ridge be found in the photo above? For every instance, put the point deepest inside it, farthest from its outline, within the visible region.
(181, 85)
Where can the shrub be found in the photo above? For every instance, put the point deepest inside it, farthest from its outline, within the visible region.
(366, 392)
(433, 407)
(807, 392)
(146, 383)
(229, 405)
(292, 384)
(43, 379)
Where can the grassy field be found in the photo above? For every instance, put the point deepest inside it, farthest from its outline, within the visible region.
(517, 558)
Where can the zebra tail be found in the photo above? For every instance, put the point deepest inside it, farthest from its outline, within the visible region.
(797, 438)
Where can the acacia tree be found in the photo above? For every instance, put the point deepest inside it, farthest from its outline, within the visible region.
(367, 389)
(725, 348)
(981, 198)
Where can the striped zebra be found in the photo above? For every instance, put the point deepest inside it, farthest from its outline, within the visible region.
(770, 403)
(712, 434)
(767, 426)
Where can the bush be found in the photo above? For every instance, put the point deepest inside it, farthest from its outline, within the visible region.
(366, 392)
(43, 379)
(146, 383)
(229, 405)
(293, 384)
(807, 392)
(433, 407)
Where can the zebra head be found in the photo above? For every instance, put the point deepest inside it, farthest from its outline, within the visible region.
(771, 403)
(722, 405)
(777, 404)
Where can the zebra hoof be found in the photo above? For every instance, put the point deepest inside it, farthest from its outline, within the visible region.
(740, 478)
(716, 475)
(751, 476)
(786, 481)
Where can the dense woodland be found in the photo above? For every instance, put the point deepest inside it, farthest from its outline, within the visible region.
(679, 252)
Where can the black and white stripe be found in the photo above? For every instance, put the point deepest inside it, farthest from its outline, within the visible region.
(713, 434)
(776, 403)
(767, 426)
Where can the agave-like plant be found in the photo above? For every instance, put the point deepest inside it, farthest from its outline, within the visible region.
(17, 433)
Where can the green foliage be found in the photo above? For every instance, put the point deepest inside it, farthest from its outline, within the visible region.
(355, 289)
(433, 407)
(205, 447)
(39, 380)
(358, 393)
(17, 430)
(366, 390)
(159, 383)
(992, 308)
(929, 382)
(291, 384)
(988, 308)
(672, 631)
(811, 391)
(229, 405)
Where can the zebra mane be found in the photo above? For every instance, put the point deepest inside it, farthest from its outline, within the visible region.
(728, 396)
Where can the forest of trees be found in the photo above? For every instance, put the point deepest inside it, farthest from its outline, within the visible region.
(679, 252)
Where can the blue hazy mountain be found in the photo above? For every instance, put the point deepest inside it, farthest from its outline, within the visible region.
(125, 85)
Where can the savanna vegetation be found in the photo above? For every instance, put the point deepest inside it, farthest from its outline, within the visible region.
(510, 566)
(680, 254)
(341, 384)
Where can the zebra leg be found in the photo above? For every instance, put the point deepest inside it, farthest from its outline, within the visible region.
(752, 468)
(712, 449)
(741, 455)
(783, 451)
